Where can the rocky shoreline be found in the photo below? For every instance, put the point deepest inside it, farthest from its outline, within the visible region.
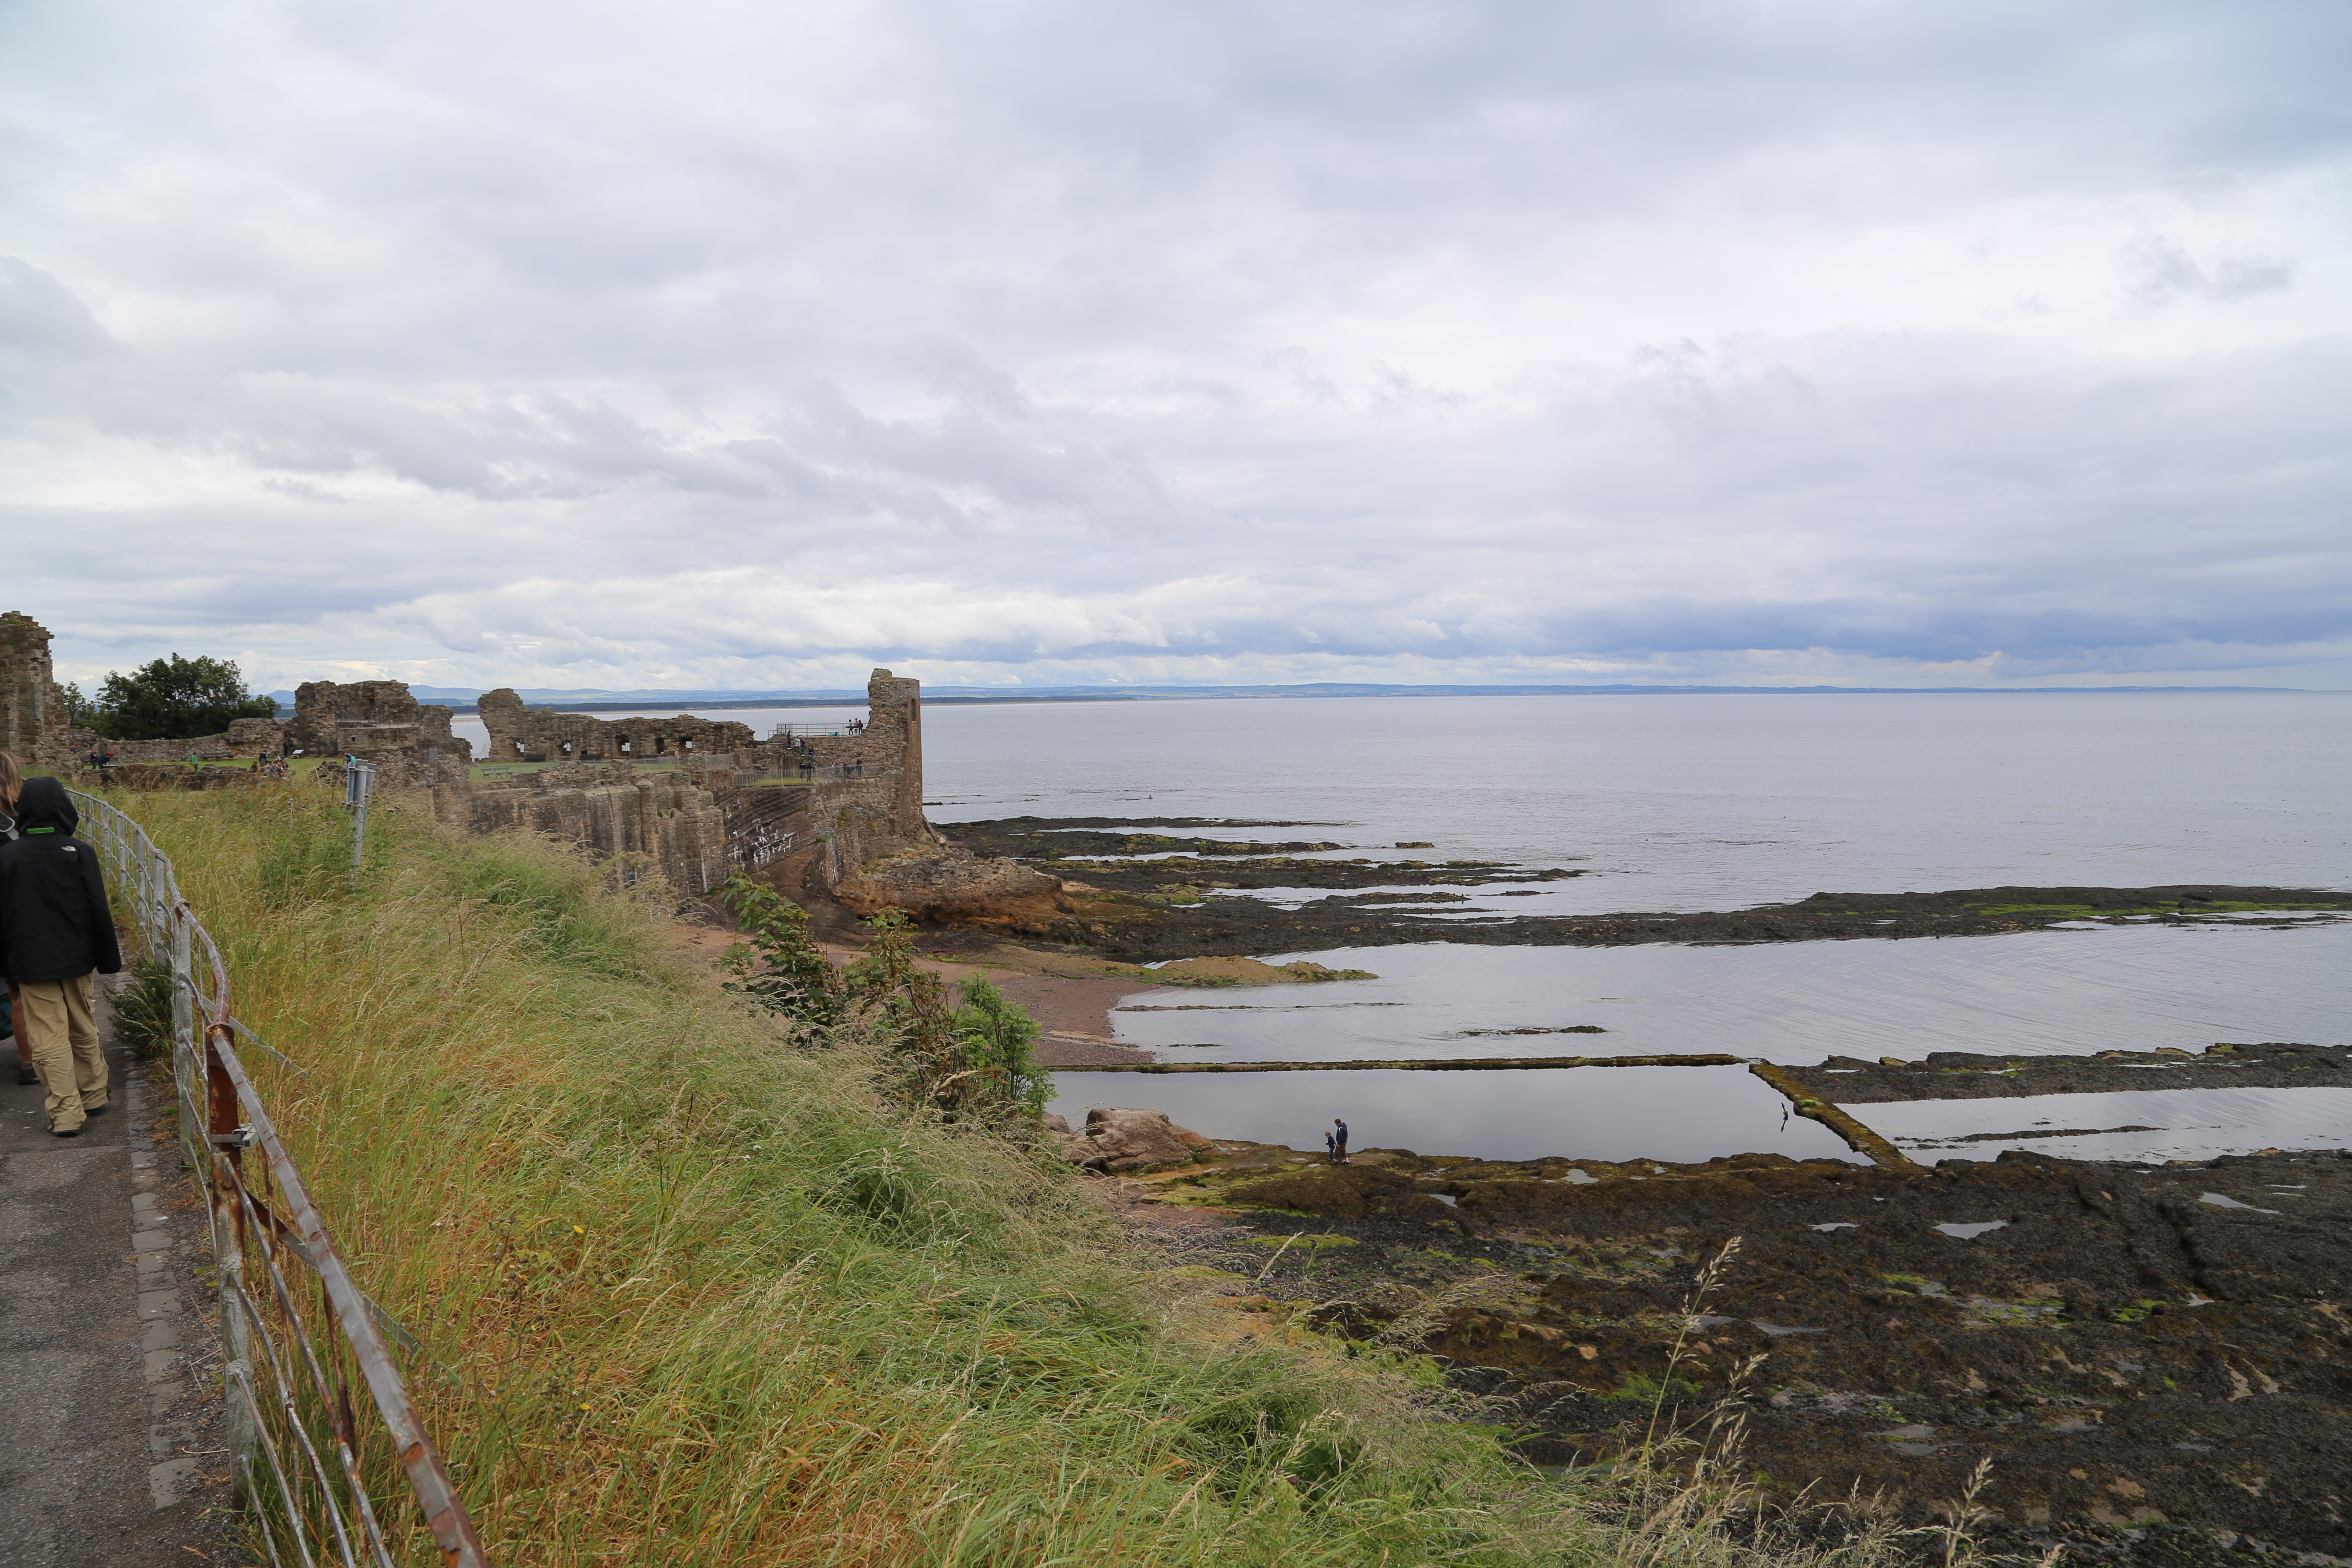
(1142, 896)
(1967, 1075)
(2157, 1360)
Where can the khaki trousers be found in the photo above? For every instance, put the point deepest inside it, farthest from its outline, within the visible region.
(54, 1017)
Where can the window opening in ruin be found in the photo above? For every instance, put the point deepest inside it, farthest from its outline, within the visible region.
(625, 748)
(686, 745)
(566, 748)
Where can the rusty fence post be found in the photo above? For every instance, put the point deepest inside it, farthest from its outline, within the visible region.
(183, 980)
(223, 1140)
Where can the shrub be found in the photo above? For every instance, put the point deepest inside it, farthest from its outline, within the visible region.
(142, 1008)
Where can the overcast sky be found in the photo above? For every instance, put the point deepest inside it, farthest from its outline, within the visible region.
(701, 345)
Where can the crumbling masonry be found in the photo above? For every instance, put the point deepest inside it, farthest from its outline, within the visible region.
(814, 815)
(32, 705)
(832, 820)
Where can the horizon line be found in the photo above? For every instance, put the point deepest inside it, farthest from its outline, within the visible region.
(595, 698)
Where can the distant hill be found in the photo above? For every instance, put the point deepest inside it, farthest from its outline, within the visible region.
(589, 700)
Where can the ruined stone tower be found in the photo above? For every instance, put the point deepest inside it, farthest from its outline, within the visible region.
(32, 708)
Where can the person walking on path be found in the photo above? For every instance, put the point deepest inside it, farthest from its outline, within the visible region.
(55, 932)
(12, 781)
(1338, 1142)
(25, 1073)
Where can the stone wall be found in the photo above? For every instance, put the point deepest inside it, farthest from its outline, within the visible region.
(866, 804)
(659, 822)
(890, 746)
(520, 734)
(32, 705)
(376, 721)
(244, 740)
(853, 799)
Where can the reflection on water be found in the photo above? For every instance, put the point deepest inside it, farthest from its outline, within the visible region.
(2178, 1123)
(2031, 992)
(1680, 1114)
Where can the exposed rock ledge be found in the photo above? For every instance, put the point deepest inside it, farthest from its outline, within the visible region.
(943, 883)
(1118, 1140)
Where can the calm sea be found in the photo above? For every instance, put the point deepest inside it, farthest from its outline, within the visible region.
(1710, 802)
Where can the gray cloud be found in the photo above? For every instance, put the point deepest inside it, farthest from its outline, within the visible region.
(2162, 272)
(572, 344)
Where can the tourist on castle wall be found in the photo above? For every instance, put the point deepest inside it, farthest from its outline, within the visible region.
(55, 931)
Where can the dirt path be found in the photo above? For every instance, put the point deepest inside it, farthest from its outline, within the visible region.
(104, 1432)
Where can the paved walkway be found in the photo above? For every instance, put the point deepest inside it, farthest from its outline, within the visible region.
(109, 1365)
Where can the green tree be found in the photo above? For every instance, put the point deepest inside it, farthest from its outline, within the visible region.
(780, 967)
(174, 699)
(997, 1033)
(80, 712)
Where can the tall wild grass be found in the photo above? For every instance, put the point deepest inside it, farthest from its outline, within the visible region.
(689, 1293)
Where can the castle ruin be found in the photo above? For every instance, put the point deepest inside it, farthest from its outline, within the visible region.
(806, 813)
(832, 821)
(32, 704)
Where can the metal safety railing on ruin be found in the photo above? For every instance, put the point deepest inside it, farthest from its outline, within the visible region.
(299, 1455)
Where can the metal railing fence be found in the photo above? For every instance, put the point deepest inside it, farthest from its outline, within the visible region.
(298, 1450)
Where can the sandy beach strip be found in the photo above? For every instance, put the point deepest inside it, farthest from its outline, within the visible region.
(1075, 1015)
(1073, 1012)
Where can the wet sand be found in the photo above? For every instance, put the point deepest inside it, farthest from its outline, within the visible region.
(1075, 1015)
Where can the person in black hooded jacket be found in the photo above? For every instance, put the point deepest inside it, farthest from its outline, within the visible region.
(55, 932)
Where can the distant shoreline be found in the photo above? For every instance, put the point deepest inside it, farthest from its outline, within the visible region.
(952, 697)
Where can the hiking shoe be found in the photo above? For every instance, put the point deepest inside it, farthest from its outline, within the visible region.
(27, 1075)
(93, 1111)
(66, 1132)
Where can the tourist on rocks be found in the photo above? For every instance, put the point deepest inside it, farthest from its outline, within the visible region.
(1330, 1149)
(1338, 1142)
(55, 932)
